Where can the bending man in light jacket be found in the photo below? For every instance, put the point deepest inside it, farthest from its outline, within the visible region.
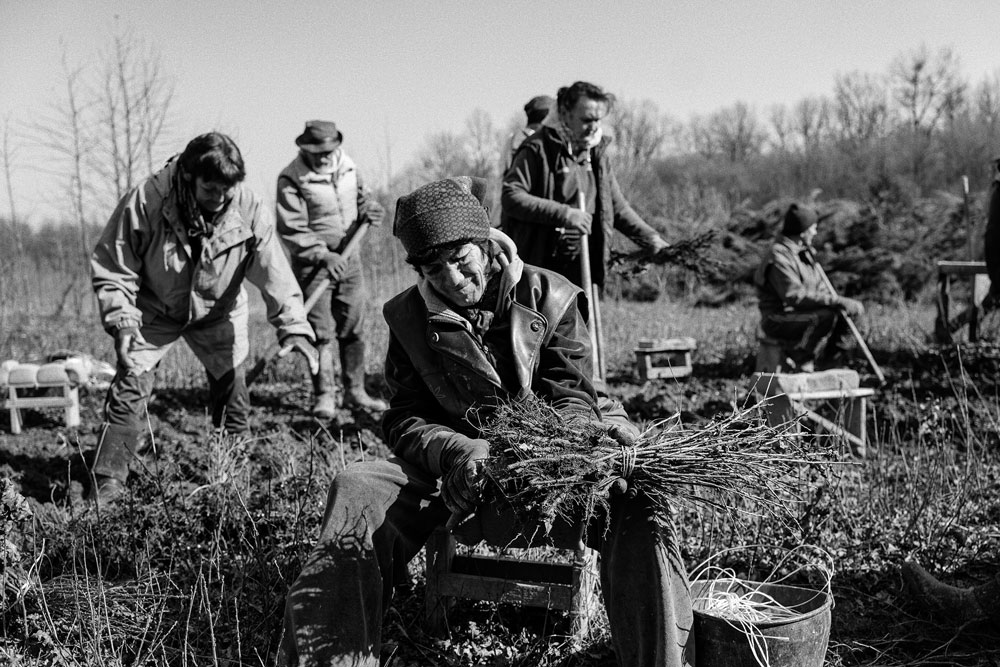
(170, 264)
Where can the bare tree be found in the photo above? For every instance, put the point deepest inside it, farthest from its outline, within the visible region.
(641, 134)
(928, 88)
(736, 132)
(135, 97)
(861, 108)
(811, 120)
(9, 158)
(482, 145)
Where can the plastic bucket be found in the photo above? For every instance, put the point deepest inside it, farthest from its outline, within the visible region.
(798, 642)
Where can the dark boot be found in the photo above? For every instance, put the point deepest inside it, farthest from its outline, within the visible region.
(950, 604)
(323, 385)
(352, 364)
(115, 449)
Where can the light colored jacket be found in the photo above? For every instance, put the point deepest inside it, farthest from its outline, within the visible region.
(315, 210)
(143, 269)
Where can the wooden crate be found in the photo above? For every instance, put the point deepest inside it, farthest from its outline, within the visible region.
(664, 358)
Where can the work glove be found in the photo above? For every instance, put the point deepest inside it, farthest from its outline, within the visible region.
(374, 213)
(126, 337)
(580, 220)
(852, 307)
(462, 487)
(336, 265)
(300, 344)
(568, 245)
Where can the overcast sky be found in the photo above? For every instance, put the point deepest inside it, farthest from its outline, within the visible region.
(392, 72)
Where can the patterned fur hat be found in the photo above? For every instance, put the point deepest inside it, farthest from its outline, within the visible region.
(442, 212)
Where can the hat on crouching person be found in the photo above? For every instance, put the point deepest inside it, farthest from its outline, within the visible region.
(442, 212)
(798, 218)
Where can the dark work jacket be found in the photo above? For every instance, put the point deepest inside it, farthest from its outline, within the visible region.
(533, 207)
(789, 279)
(992, 239)
(437, 372)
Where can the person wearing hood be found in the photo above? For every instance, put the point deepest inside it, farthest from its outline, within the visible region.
(795, 304)
(170, 264)
(536, 110)
(565, 162)
(479, 327)
(320, 195)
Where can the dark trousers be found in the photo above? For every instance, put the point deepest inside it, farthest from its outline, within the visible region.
(340, 315)
(125, 414)
(807, 329)
(378, 516)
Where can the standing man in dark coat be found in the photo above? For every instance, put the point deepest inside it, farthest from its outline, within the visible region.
(992, 240)
(563, 164)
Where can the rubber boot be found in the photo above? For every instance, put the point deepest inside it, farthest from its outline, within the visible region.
(323, 385)
(352, 364)
(949, 604)
(115, 449)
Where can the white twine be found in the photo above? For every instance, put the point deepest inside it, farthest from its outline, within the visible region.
(628, 460)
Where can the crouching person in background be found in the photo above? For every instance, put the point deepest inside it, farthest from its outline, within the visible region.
(170, 264)
(794, 302)
(479, 327)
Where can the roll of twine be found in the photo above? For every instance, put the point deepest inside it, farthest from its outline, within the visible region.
(628, 460)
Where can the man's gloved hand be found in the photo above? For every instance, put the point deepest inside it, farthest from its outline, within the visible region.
(579, 219)
(336, 265)
(300, 344)
(125, 338)
(462, 487)
(374, 213)
(852, 307)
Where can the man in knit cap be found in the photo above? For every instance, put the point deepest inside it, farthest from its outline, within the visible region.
(794, 301)
(320, 195)
(564, 163)
(479, 327)
(536, 110)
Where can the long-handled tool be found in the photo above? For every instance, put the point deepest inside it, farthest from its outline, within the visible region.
(360, 228)
(593, 296)
(850, 323)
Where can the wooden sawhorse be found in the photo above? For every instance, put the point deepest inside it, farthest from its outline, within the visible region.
(788, 395)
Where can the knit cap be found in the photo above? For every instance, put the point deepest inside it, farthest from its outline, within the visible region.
(441, 212)
(798, 218)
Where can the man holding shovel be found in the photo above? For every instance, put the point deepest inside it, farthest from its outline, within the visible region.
(563, 163)
(320, 196)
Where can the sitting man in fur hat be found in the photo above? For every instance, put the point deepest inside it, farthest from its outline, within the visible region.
(794, 301)
(480, 326)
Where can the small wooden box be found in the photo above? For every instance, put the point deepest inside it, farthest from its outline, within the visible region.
(664, 357)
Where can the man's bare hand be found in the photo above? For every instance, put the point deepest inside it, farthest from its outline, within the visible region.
(578, 219)
(852, 307)
(125, 339)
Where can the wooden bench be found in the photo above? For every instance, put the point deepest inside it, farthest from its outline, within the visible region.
(944, 326)
(508, 577)
(664, 357)
(786, 396)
